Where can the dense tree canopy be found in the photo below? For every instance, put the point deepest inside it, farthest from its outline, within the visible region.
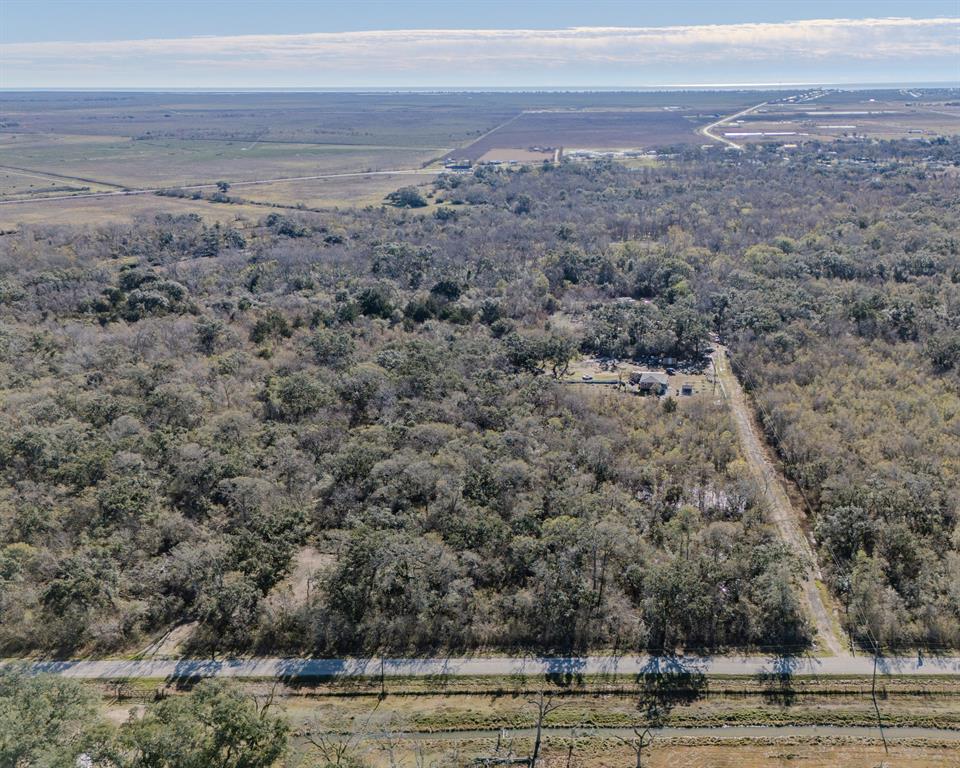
(187, 410)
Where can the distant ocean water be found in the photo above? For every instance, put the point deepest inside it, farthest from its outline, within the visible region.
(516, 89)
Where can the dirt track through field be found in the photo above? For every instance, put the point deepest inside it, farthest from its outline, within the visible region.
(786, 518)
(49, 176)
(211, 185)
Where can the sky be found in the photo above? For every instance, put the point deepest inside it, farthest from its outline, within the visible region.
(186, 44)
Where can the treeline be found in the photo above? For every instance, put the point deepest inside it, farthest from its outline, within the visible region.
(189, 411)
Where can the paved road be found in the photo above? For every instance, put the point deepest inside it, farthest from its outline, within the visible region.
(786, 518)
(256, 182)
(708, 129)
(740, 666)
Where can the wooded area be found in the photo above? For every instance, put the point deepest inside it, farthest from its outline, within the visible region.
(186, 408)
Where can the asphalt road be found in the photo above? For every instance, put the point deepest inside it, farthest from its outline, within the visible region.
(707, 130)
(739, 666)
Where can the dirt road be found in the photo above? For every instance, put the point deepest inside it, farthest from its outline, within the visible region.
(785, 517)
(253, 183)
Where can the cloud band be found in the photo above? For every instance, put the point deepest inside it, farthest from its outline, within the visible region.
(504, 49)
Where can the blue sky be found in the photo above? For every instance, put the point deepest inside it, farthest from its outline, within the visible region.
(421, 43)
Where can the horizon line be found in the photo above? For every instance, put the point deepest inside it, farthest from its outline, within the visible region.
(883, 85)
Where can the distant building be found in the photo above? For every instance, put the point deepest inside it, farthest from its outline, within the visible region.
(686, 388)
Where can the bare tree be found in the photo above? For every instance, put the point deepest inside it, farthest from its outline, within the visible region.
(388, 741)
(419, 756)
(503, 753)
(335, 749)
(332, 749)
(640, 740)
(545, 705)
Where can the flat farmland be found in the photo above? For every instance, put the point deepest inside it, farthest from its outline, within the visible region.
(252, 202)
(56, 145)
(916, 96)
(327, 193)
(136, 163)
(590, 129)
(504, 155)
(850, 115)
(421, 120)
(18, 184)
(610, 121)
(106, 210)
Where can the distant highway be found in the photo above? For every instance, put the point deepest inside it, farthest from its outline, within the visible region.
(708, 129)
(124, 192)
(279, 668)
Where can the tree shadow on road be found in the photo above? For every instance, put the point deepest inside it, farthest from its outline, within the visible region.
(564, 672)
(777, 678)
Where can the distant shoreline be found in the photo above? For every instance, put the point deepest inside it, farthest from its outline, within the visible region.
(519, 89)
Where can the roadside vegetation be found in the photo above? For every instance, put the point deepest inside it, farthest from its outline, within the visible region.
(51, 722)
(363, 723)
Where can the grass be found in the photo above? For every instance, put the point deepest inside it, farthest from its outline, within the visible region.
(97, 211)
(149, 164)
(445, 716)
(61, 144)
(827, 599)
(589, 130)
(639, 162)
(589, 366)
(53, 144)
(675, 753)
(469, 702)
(16, 184)
(448, 729)
(155, 140)
(326, 193)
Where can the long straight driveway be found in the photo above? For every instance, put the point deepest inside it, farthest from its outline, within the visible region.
(782, 513)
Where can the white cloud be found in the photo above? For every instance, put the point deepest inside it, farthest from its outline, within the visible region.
(504, 50)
